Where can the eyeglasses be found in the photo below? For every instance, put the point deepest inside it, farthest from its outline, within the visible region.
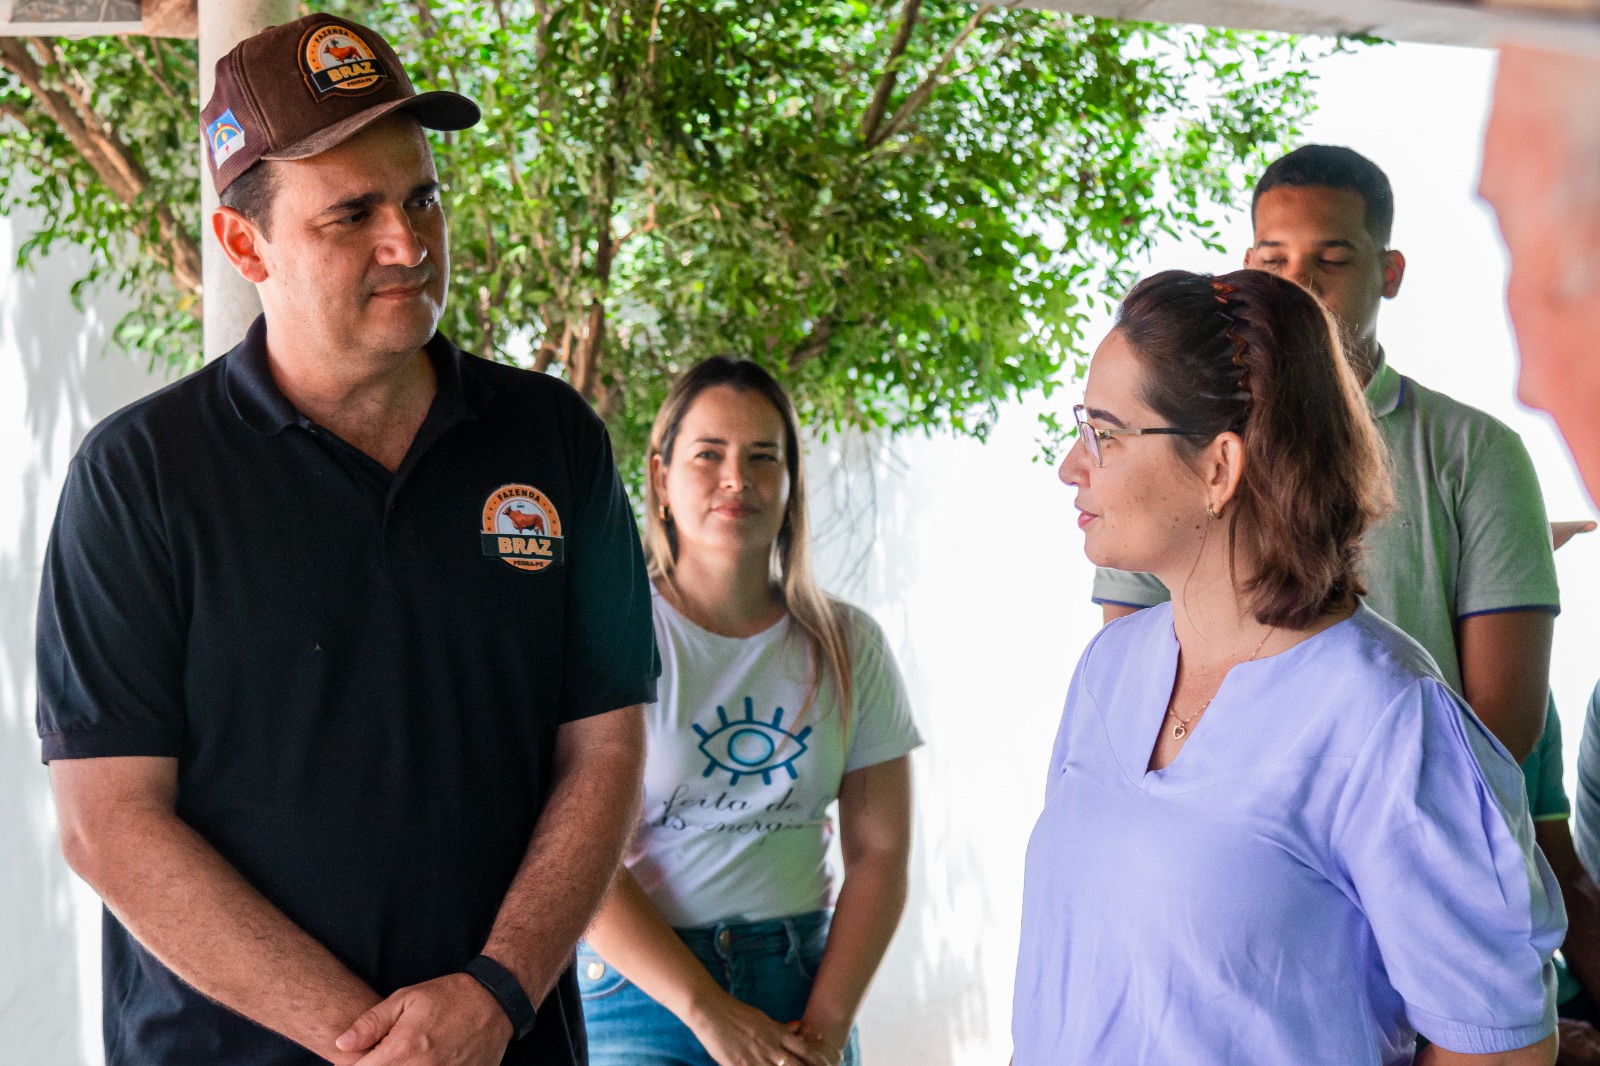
(1093, 435)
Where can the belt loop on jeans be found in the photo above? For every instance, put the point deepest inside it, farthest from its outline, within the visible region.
(793, 957)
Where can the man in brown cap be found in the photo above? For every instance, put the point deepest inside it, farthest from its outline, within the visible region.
(342, 639)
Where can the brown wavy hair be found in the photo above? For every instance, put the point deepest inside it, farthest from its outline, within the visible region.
(1256, 354)
(793, 577)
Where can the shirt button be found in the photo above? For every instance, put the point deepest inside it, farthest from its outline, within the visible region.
(725, 938)
(594, 971)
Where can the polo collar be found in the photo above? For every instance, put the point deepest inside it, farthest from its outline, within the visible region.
(256, 397)
(462, 382)
(461, 393)
(1386, 390)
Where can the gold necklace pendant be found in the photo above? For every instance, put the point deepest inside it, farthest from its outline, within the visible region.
(1180, 727)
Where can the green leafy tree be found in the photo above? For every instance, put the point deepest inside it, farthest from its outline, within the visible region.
(98, 137)
(906, 208)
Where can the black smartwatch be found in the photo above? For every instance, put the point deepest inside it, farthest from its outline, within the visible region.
(507, 992)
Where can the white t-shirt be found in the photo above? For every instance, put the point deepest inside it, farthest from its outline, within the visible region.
(737, 782)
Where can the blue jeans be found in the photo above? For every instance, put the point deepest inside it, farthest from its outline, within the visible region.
(768, 965)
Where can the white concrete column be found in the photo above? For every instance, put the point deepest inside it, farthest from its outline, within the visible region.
(230, 301)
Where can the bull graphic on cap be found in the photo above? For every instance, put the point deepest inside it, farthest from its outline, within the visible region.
(342, 53)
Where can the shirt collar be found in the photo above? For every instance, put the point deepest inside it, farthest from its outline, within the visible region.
(256, 397)
(1386, 390)
(262, 406)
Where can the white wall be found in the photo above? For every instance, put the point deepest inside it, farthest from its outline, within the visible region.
(54, 385)
(972, 562)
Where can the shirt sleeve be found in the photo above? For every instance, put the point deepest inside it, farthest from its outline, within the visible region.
(1507, 561)
(1543, 772)
(110, 639)
(883, 727)
(1586, 789)
(1078, 694)
(1125, 588)
(1436, 847)
(611, 657)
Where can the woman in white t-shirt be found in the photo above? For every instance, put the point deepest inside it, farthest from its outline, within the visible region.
(716, 944)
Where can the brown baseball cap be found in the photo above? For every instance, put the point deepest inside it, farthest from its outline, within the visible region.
(297, 90)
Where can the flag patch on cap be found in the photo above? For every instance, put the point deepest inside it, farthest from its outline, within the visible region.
(334, 59)
(225, 136)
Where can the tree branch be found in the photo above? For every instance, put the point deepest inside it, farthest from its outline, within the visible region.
(160, 55)
(106, 154)
(985, 60)
(73, 112)
(541, 44)
(432, 28)
(584, 366)
(147, 66)
(425, 17)
(485, 312)
(920, 94)
(647, 226)
(891, 72)
(542, 246)
(549, 351)
(649, 130)
(821, 334)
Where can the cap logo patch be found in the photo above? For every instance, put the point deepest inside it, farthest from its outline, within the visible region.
(521, 528)
(225, 136)
(334, 59)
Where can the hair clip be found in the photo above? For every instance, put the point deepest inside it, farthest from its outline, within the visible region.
(1238, 361)
(1223, 290)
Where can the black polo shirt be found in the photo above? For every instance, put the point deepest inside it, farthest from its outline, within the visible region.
(360, 673)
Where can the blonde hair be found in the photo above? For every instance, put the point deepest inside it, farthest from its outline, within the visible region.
(820, 618)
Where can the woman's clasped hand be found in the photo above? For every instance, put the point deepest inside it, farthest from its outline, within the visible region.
(735, 1034)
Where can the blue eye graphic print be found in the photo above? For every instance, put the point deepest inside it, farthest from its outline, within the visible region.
(745, 746)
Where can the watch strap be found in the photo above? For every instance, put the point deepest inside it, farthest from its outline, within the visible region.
(507, 991)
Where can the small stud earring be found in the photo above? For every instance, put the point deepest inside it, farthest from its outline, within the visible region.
(1212, 513)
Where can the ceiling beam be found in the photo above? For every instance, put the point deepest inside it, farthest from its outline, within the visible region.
(1571, 25)
(92, 18)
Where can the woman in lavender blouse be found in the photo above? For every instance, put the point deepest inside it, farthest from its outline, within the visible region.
(1271, 833)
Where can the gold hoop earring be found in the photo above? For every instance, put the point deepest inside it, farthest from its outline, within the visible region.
(663, 514)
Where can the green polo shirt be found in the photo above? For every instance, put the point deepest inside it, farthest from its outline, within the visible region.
(1543, 773)
(1469, 535)
(1547, 802)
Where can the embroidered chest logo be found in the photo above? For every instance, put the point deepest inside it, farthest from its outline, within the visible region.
(225, 136)
(336, 60)
(744, 747)
(521, 528)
